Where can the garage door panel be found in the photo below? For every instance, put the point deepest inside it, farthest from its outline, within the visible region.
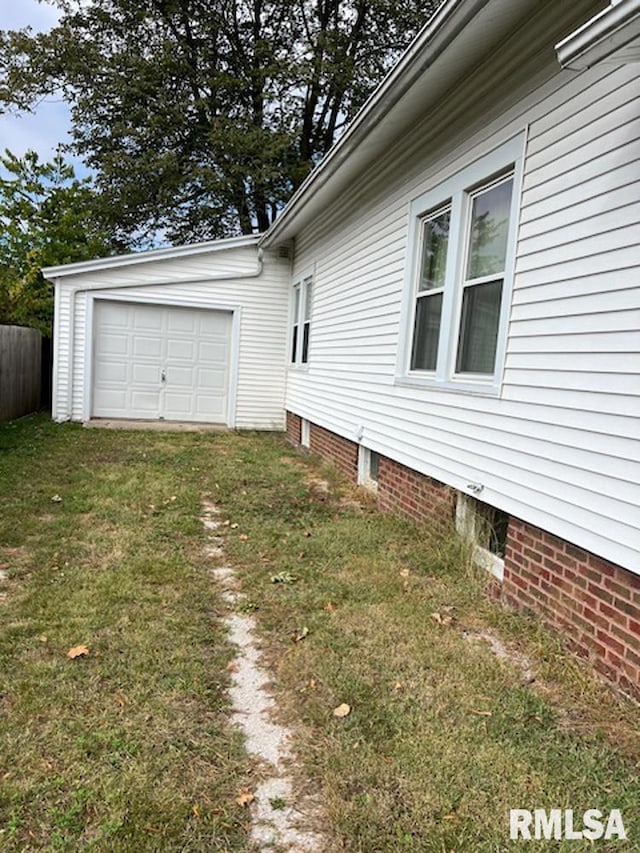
(143, 374)
(115, 399)
(182, 350)
(210, 379)
(107, 371)
(214, 323)
(147, 347)
(146, 401)
(147, 318)
(135, 345)
(182, 377)
(209, 407)
(111, 344)
(212, 353)
(182, 321)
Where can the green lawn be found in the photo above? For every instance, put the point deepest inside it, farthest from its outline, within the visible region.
(129, 748)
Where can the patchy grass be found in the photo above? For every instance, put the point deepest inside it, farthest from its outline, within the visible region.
(444, 737)
(128, 748)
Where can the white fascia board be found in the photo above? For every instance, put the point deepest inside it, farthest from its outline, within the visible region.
(608, 36)
(58, 272)
(431, 42)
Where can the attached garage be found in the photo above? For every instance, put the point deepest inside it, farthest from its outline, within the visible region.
(195, 334)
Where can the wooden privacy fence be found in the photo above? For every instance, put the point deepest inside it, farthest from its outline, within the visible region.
(20, 371)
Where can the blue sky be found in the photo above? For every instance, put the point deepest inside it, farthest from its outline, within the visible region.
(49, 124)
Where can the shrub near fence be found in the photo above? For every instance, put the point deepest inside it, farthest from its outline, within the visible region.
(20, 371)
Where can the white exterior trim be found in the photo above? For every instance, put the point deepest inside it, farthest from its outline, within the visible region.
(152, 255)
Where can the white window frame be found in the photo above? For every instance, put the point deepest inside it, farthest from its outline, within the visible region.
(302, 294)
(305, 433)
(457, 192)
(364, 469)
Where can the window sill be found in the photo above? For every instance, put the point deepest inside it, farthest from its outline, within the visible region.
(299, 368)
(488, 561)
(478, 389)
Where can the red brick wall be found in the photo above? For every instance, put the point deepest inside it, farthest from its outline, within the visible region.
(594, 602)
(334, 449)
(294, 428)
(406, 492)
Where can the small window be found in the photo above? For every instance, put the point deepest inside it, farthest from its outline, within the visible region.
(301, 320)
(486, 527)
(368, 468)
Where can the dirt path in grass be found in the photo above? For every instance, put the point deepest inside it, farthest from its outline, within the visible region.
(279, 817)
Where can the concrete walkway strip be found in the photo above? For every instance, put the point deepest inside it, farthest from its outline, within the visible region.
(278, 815)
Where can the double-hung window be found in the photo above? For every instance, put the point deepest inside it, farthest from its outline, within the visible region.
(301, 319)
(459, 274)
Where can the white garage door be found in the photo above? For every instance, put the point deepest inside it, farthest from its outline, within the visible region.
(153, 362)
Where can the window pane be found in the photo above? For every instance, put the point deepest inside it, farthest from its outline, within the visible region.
(305, 343)
(489, 230)
(426, 332)
(294, 343)
(307, 299)
(479, 328)
(435, 239)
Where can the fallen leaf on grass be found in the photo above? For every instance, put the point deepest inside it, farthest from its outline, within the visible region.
(43, 638)
(196, 811)
(404, 573)
(77, 651)
(283, 577)
(243, 537)
(232, 666)
(301, 635)
(482, 713)
(442, 620)
(245, 797)
(330, 607)
(56, 499)
(342, 710)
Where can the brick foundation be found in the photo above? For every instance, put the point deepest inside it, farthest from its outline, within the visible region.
(294, 429)
(422, 499)
(334, 449)
(594, 603)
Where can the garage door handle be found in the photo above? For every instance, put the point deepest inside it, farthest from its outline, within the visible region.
(163, 376)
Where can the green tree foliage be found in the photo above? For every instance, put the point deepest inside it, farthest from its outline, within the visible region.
(200, 117)
(46, 218)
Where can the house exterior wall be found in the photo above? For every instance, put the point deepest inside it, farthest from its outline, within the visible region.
(198, 281)
(559, 446)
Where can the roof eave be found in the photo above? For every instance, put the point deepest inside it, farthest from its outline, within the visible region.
(116, 261)
(432, 41)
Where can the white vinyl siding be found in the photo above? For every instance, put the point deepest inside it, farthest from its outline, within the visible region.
(259, 302)
(560, 445)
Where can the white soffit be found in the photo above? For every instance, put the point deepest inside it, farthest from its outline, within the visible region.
(611, 36)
